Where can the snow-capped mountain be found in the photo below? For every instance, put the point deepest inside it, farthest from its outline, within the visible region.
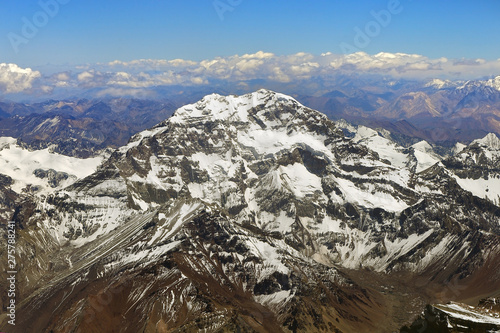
(494, 82)
(478, 84)
(490, 142)
(41, 170)
(425, 155)
(257, 213)
(417, 157)
(468, 85)
(440, 84)
(476, 167)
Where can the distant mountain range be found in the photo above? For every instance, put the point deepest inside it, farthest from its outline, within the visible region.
(80, 128)
(437, 111)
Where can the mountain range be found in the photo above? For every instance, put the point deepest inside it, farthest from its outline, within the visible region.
(80, 128)
(438, 111)
(256, 213)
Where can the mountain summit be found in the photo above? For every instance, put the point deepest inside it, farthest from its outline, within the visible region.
(491, 141)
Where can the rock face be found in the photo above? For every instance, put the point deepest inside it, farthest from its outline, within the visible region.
(255, 213)
(456, 317)
(477, 167)
(7, 198)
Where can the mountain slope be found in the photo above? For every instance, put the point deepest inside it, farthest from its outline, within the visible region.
(41, 170)
(476, 167)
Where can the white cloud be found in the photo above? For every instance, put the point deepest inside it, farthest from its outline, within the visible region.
(64, 76)
(386, 62)
(46, 89)
(299, 58)
(258, 55)
(14, 79)
(150, 64)
(304, 68)
(182, 62)
(247, 65)
(198, 80)
(279, 76)
(414, 66)
(85, 76)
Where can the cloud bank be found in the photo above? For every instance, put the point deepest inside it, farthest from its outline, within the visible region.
(136, 76)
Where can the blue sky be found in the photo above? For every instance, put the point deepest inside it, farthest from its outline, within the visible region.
(90, 31)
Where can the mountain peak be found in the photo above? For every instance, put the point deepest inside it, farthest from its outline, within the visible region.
(490, 140)
(218, 107)
(440, 84)
(494, 82)
(425, 155)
